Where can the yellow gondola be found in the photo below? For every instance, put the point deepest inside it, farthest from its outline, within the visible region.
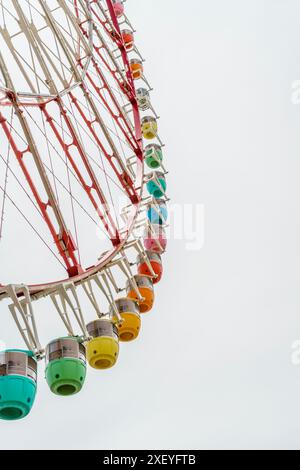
(149, 127)
(103, 349)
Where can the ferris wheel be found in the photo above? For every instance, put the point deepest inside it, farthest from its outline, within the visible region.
(83, 204)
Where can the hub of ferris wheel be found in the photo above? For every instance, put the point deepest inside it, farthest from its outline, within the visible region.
(75, 119)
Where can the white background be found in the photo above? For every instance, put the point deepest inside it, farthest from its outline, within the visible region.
(212, 368)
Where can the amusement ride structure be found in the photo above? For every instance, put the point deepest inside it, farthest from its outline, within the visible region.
(82, 176)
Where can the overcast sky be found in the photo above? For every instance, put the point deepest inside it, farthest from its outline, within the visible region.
(212, 368)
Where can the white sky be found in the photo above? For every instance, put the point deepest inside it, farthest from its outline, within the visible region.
(212, 368)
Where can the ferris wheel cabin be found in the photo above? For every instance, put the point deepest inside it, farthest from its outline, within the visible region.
(156, 184)
(157, 212)
(128, 38)
(156, 264)
(65, 366)
(153, 156)
(155, 239)
(145, 299)
(143, 99)
(103, 348)
(149, 127)
(118, 8)
(18, 377)
(130, 314)
(137, 69)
